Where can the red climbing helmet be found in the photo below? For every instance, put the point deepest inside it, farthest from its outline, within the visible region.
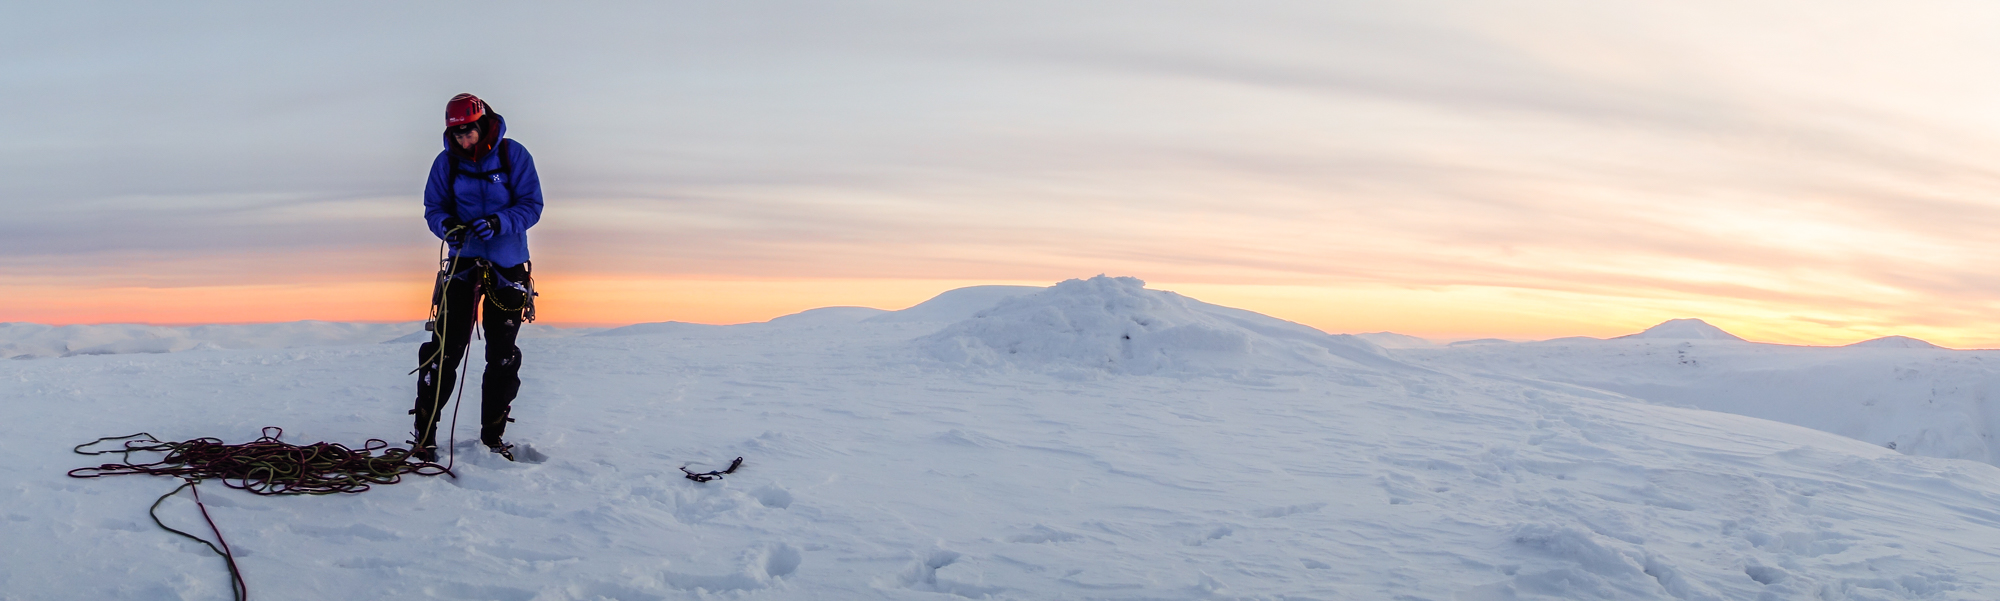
(463, 109)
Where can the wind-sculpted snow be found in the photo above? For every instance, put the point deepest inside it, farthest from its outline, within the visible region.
(873, 471)
(1116, 325)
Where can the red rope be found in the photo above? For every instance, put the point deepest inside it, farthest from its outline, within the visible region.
(236, 583)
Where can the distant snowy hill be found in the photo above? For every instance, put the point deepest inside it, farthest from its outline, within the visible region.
(1683, 329)
(1092, 440)
(656, 328)
(1894, 342)
(950, 306)
(828, 316)
(955, 305)
(1118, 326)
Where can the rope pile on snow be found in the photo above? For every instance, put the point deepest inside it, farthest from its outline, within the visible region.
(266, 466)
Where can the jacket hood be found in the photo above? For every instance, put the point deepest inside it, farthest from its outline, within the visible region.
(492, 128)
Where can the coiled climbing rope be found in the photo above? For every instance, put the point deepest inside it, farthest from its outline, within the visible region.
(266, 466)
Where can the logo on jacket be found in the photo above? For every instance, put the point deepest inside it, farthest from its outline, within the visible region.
(496, 178)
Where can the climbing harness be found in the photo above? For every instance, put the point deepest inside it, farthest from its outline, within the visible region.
(494, 281)
(715, 475)
(486, 279)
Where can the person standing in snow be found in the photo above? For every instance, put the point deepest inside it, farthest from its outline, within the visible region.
(481, 198)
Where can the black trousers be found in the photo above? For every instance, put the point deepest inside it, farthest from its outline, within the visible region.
(467, 288)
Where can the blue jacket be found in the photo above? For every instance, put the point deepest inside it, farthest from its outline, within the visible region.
(481, 197)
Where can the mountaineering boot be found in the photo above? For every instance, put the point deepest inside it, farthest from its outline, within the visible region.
(503, 448)
(489, 434)
(426, 453)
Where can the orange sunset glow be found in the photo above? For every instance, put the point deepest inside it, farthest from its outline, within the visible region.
(1793, 172)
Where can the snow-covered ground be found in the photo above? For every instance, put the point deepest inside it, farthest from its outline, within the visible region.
(1093, 440)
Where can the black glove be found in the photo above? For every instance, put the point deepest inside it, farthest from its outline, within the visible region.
(487, 227)
(454, 230)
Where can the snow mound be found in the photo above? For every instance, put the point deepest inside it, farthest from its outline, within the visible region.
(955, 305)
(1895, 342)
(1684, 329)
(1116, 325)
(1481, 341)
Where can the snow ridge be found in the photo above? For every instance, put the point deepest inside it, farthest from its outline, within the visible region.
(955, 305)
(1116, 325)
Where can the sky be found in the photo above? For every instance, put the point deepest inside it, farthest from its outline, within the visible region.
(1795, 172)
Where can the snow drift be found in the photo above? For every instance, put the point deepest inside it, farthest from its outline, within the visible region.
(1116, 325)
